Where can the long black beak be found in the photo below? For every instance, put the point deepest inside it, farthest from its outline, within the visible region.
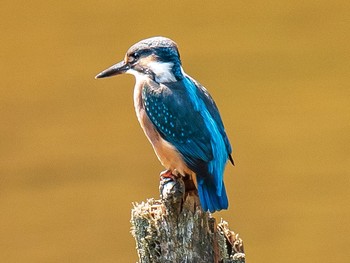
(116, 69)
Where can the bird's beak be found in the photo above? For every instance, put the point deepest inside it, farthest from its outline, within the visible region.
(116, 69)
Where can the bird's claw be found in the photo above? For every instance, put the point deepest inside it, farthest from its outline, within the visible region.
(167, 174)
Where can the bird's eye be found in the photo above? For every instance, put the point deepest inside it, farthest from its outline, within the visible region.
(134, 56)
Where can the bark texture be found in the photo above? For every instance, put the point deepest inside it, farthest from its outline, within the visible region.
(176, 229)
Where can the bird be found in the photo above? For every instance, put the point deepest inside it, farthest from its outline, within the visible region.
(179, 117)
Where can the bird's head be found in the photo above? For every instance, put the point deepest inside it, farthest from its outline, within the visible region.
(157, 58)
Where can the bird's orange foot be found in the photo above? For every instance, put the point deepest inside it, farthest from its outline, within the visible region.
(167, 174)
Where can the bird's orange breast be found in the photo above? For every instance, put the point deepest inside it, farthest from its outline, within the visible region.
(167, 154)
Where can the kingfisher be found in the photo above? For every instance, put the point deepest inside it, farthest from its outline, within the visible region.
(179, 118)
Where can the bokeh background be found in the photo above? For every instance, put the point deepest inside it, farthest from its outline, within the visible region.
(73, 157)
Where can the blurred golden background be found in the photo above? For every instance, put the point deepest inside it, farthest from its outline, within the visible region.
(73, 157)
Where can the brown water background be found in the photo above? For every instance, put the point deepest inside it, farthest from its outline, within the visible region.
(73, 157)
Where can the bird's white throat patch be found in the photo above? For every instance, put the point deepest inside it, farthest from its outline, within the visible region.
(162, 71)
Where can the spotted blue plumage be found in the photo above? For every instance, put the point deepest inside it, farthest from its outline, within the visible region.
(186, 116)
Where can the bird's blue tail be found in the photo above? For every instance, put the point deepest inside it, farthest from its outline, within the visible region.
(209, 198)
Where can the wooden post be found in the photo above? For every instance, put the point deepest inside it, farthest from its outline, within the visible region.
(176, 229)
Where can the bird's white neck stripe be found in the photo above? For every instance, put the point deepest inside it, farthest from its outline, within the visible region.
(162, 71)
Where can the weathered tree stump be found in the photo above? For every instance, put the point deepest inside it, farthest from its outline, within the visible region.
(176, 229)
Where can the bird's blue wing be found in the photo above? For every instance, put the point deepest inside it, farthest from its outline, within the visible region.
(171, 111)
(214, 112)
(185, 115)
